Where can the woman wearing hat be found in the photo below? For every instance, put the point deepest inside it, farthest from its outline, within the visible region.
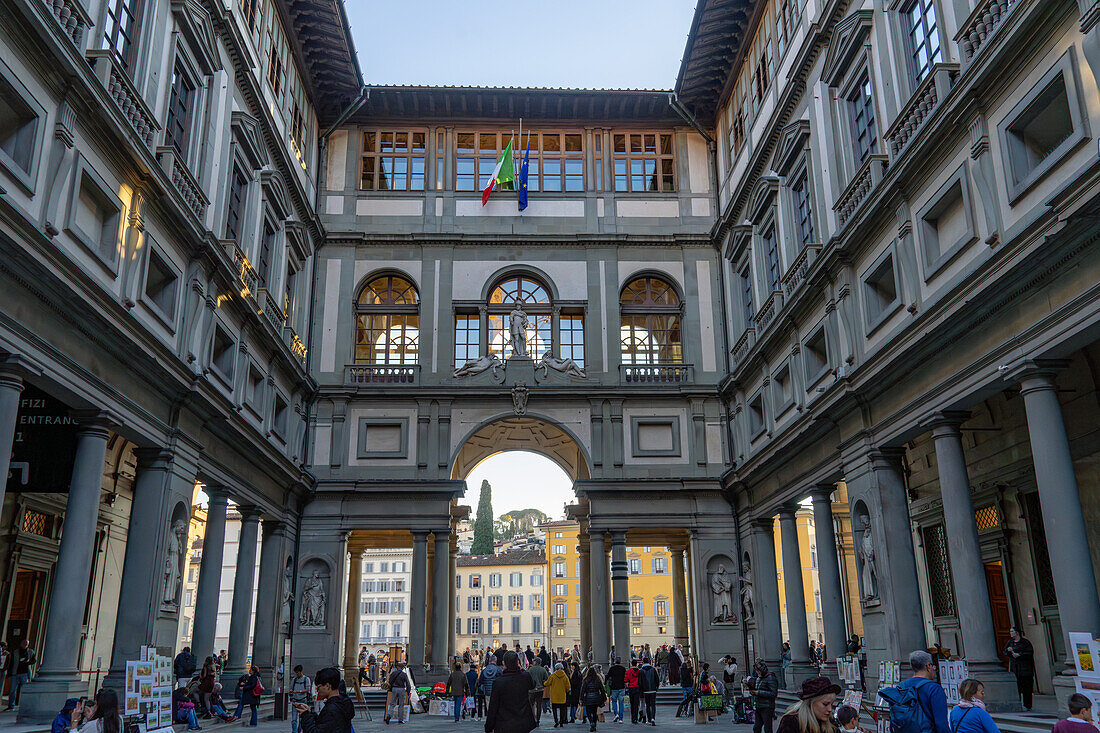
(813, 713)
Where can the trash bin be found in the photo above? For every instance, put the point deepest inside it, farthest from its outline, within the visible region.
(282, 705)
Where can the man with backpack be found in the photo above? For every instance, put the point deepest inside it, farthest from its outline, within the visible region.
(919, 704)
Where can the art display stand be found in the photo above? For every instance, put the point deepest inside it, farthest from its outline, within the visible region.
(147, 697)
(1085, 651)
(889, 674)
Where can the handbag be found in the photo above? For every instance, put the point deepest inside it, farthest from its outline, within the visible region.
(258, 689)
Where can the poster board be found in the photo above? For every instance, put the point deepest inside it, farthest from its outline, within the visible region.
(853, 699)
(148, 689)
(710, 702)
(952, 673)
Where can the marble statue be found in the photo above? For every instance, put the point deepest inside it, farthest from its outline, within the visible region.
(517, 328)
(747, 602)
(867, 557)
(722, 590)
(479, 365)
(288, 596)
(567, 367)
(173, 563)
(314, 602)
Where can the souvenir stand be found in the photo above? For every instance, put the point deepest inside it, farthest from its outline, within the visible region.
(147, 699)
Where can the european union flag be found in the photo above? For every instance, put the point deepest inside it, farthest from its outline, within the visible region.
(523, 176)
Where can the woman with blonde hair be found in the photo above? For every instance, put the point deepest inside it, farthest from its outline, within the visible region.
(970, 716)
(813, 713)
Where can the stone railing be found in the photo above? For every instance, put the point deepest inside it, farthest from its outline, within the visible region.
(866, 178)
(380, 373)
(934, 88)
(986, 17)
(245, 273)
(125, 94)
(741, 348)
(768, 311)
(796, 275)
(297, 346)
(656, 373)
(72, 17)
(182, 179)
(270, 310)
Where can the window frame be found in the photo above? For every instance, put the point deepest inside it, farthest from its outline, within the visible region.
(872, 321)
(389, 311)
(904, 9)
(167, 318)
(110, 28)
(649, 311)
(83, 170)
(860, 77)
(27, 178)
(409, 155)
(813, 378)
(629, 156)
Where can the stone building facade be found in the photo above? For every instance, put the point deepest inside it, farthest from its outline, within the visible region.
(501, 599)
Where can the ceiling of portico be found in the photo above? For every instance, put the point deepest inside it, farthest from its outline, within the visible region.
(522, 433)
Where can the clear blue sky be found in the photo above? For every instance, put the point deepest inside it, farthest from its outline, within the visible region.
(521, 480)
(567, 43)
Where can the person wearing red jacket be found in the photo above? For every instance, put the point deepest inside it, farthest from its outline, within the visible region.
(634, 690)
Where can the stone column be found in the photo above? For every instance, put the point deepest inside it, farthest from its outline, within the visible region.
(243, 580)
(620, 593)
(765, 577)
(58, 678)
(441, 593)
(1063, 518)
(452, 603)
(134, 622)
(269, 599)
(210, 574)
(679, 597)
(967, 569)
(418, 601)
(795, 595)
(597, 601)
(11, 388)
(585, 581)
(828, 571)
(354, 616)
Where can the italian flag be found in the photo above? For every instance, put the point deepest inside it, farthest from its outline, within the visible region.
(505, 172)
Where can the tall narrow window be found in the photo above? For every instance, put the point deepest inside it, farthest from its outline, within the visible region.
(644, 162)
(571, 337)
(535, 299)
(861, 110)
(394, 161)
(177, 132)
(924, 37)
(387, 327)
(771, 256)
(467, 337)
(597, 160)
(650, 323)
(747, 308)
(267, 245)
(238, 186)
(120, 30)
(250, 11)
(803, 210)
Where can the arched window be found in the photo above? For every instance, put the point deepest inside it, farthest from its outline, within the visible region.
(387, 322)
(650, 317)
(535, 300)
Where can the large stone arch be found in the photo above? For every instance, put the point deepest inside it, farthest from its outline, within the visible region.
(534, 433)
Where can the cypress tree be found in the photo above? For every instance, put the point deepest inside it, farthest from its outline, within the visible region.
(483, 522)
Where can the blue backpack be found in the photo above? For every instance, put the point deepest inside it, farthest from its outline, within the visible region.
(907, 714)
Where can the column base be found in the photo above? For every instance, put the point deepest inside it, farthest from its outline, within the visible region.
(1064, 686)
(799, 672)
(1001, 695)
(40, 700)
(235, 672)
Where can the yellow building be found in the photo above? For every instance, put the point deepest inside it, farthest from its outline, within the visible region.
(649, 587)
(501, 600)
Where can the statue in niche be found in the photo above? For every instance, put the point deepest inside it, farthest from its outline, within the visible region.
(288, 596)
(314, 601)
(721, 588)
(517, 328)
(568, 367)
(173, 562)
(479, 365)
(867, 557)
(747, 603)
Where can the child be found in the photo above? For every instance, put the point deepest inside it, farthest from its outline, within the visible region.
(848, 717)
(1080, 711)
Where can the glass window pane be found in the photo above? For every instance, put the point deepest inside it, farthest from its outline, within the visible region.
(573, 143)
(551, 143)
(465, 142)
(551, 174)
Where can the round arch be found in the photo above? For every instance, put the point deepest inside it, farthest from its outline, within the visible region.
(525, 270)
(532, 433)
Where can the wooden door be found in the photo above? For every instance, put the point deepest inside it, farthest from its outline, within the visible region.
(998, 606)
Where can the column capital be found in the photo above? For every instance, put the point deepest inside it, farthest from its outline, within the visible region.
(275, 528)
(420, 535)
(946, 422)
(249, 513)
(886, 457)
(216, 494)
(444, 532)
(1034, 374)
(822, 493)
(787, 511)
(97, 422)
(762, 524)
(618, 536)
(15, 368)
(156, 458)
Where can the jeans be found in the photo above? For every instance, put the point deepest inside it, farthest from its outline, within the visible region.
(458, 705)
(219, 711)
(687, 693)
(617, 703)
(255, 710)
(536, 704)
(17, 682)
(763, 720)
(651, 706)
(294, 722)
(188, 716)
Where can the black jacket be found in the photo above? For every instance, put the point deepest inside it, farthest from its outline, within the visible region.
(335, 717)
(767, 687)
(648, 681)
(1023, 665)
(510, 704)
(184, 665)
(247, 693)
(592, 691)
(616, 677)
